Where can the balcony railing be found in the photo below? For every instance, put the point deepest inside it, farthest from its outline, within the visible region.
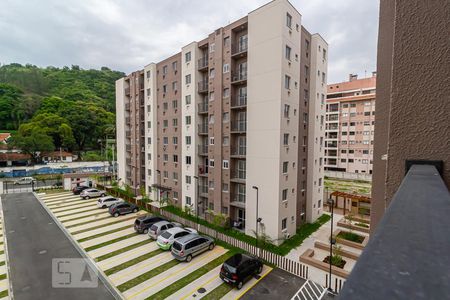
(141, 86)
(240, 49)
(203, 86)
(238, 176)
(239, 151)
(202, 128)
(409, 250)
(239, 126)
(128, 161)
(127, 120)
(128, 148)
(203, 190)
(203, 170)
(202, 149)
(203, 63)
(127, 107)
(238, 77)
(128, 134)
(239, 101)
(127, 91)
(203, 108)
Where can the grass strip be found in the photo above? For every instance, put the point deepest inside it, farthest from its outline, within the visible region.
(218, 292)
(2, 252)
(84, 216)
(73, 208)
(87, 222)
(133, 262)
(75, 213)
(122, 250)
(67, 205)
(181, 283)
(3, 293)
(2, 263)
(2, 276)
(110, 242)
(102, 234)
(146, 276)
(101, 226)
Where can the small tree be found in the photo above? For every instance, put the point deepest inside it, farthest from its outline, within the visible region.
(350, 218)
(263, 238)
(336, 259)
(188, 209)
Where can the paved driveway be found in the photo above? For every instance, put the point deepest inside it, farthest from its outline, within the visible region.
(33, 239)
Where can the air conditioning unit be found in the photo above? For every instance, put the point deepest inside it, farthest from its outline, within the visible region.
(287, 235)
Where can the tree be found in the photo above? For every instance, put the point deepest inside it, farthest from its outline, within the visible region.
(34, 143)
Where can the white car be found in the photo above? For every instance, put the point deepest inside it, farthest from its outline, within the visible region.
(24, 180)
(92, 193)
(166, 239)
(107, 201)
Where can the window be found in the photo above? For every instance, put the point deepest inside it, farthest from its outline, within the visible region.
(343, 160)
(287, 82)
(174, 122)
(344, 151)
(164, 70)
(175, 176)
(165, 106)
(225, 117)
(226, 41)
(225, 187)
(320, 181)
(365, 151)
(344, 133)
(285, 167)
(188, 199)
(365, 161)
(188, 120)
(352, 123)
(212, 47)
(211, 140)
(306, 45)
(288, 20)
(351, 133)
(352, 104)
(287, 53)
(211, 96)
(286, 139)
(226, 93)
(166, 174)
(211, 163)
(286, 110)
(148, 74)
(284, 224)
(226, 68)
(174, 86)
(188, 160)
(188, 79)
(188, 179)
(225, 164)
(175, 139)
(345, 114)
(367, 113)
(351, 151)
(366, 103)
(187, 99)
(351, 160)
(324, 54)
(345, 105)
(284, 195)
(174, 66)
(175, 158)
(187, 56)
(148, 92)
(165, 123)
(165, 140)
(226, 141)
(212, 73)
(366, 123)
(166, 157)
(323, 77)
(211, 119)
(175, 104)
(188, 140)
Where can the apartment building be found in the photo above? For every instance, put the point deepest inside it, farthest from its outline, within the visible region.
(350, 119)
(233, 124)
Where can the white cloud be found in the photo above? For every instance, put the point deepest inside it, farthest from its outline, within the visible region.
(126, 35)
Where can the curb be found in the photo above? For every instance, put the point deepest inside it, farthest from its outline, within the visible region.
(5, 243)
(102, 276)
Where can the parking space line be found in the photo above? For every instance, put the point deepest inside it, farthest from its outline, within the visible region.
(61, 200)
(105, 222)
(117, 246)
(73, 212)
(236, 294)
(95, 217)
(85, 214)
(65, 209)
(106, 238)
(126, 256)
(71, 203)
(86, 234)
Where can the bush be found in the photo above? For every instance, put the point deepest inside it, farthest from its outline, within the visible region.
(362, 225)
(92, 156)
(350, 236)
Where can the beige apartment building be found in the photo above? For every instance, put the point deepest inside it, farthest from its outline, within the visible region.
(350, 120)
(232, 121)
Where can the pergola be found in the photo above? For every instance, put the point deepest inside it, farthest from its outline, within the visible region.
(346, 196)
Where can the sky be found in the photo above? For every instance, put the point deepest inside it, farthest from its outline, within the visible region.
(126, 35)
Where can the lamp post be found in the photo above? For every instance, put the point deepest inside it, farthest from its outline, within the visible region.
(257, 218)
(158, 173)
(332, 241)
(197, 203)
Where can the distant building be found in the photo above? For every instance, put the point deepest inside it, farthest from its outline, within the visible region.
(4, 137)
(350, 123)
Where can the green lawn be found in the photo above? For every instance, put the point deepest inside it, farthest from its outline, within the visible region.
(110, 242)
(103, 233)
(133, 262)
(122, 250)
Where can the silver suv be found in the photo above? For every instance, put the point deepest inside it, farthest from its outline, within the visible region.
(92, 193)
(159, 227)
(190, 245)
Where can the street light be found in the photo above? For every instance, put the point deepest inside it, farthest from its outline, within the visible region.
(197, 203)
(330, 202)
(258, 220)
(158, 172)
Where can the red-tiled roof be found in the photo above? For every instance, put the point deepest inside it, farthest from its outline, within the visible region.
(14, 156)
(56, 154)
(4, 137)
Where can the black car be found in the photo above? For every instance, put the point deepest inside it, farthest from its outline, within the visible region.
(143, 223)
(239, 268)
(78, 189)
(122, 209)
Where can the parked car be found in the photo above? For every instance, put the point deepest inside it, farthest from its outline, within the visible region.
(142, 224)
(92, 193)
(122, 209)
(240, 268)
(24, 180)
(161, 226)
(166, 239)
(78, 189)
(188, 246)
(107, 201)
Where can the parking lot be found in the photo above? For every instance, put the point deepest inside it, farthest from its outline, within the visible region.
(133, 263)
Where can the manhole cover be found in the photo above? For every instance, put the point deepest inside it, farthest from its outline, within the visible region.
(201, 290)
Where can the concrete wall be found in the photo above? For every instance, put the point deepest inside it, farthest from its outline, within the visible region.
(413, 91)
(120, 129)
(348, 175)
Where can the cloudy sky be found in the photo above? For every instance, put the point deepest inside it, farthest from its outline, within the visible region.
(125, 35)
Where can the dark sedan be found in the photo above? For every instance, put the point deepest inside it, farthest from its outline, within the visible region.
(240, 268)
(123, 209)
(78, 189)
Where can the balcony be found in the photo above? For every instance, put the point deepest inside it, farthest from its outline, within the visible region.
(127, 120)
(203, 170)
(240, 49)
(203, 87)
(238, 176)
(127, 107)
(240, 101)
(203, 150)
(409, 250)
(128, 148)
(141, 86)
(203, 64)
(141, 102)
(238, 152)
(238, 77)
(128, 161)
(128, 134)
(203, 108)
(203, 129)
(331, 144)
(239, 126)
(127, 91)
(203, 191)
(238, 200)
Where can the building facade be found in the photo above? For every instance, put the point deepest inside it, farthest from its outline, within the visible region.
(233, 124)
(350, 120)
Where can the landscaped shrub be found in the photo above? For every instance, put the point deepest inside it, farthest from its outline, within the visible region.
(350, 236)
(362, 225)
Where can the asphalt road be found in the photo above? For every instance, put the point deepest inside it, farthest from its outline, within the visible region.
(278, 284)
(33, 239)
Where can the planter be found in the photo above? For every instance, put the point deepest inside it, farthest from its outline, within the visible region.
(352, 244)
(344, 253)
(341, 264)
(350, 236)
(308, 258)
(344, 224)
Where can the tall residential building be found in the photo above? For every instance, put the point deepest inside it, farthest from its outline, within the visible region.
(239, 112)
(350, 123)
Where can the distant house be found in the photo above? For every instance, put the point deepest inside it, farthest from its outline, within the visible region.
(57, 156)
(4, 137)
(10, 159)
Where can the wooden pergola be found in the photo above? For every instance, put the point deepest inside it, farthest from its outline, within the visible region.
(346, 196)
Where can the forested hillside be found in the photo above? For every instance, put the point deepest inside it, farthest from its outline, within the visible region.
(64, 107)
